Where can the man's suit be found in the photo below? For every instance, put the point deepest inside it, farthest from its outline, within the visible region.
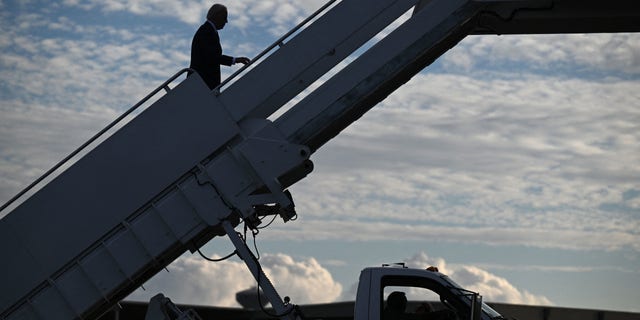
(206, 54)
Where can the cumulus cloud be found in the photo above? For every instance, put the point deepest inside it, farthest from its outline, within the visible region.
(192, 280)
(493, 288)
(306, 280)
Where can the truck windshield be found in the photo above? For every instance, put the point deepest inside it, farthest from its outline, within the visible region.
(467, 296)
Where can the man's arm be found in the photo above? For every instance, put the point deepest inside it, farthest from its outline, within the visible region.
(243, 60)
(228, 60)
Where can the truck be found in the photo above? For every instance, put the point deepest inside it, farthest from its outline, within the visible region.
(198, 163)
(376, 282)
(389, 292)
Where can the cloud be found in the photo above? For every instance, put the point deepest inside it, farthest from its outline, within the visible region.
(306, 281)
(535, 160)
(186, 11)
(550, 155)
(77, 70)
(63, 81)
(361, 228)
(192, 280)
(557, 269)
(559, 52)
(493, 288)
(25, 159)
(520, 140)
(277, 16)
(497, 174)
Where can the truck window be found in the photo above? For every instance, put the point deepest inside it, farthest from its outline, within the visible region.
(413, 293)
(405, 298)
(419, 300)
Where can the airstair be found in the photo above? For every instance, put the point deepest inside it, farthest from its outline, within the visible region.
(196, 160)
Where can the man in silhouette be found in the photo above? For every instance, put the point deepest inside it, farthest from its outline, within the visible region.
(206, 51)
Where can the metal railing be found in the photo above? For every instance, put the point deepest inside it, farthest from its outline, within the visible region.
(277, 43)
(164, 86)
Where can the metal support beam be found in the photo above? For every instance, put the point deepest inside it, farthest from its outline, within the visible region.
(284, 311)
(378, 72)
(309, 55)
(560, 16)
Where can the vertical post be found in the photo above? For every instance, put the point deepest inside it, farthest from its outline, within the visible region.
(283, 311)
(476, 307)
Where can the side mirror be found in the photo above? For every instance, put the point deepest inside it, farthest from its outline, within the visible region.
(476, 307)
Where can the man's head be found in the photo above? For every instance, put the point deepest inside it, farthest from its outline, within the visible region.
(218, 15)
(397, 302)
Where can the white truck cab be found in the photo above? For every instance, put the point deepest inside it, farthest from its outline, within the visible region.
(382, 296)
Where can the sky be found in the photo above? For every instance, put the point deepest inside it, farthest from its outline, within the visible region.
(512, 163)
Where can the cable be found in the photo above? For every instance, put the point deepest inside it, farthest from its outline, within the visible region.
(511, 16)
(254, 233)
(255, 245)
(268, 224)
(218, 260)
(209, 182)
(258, 279)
